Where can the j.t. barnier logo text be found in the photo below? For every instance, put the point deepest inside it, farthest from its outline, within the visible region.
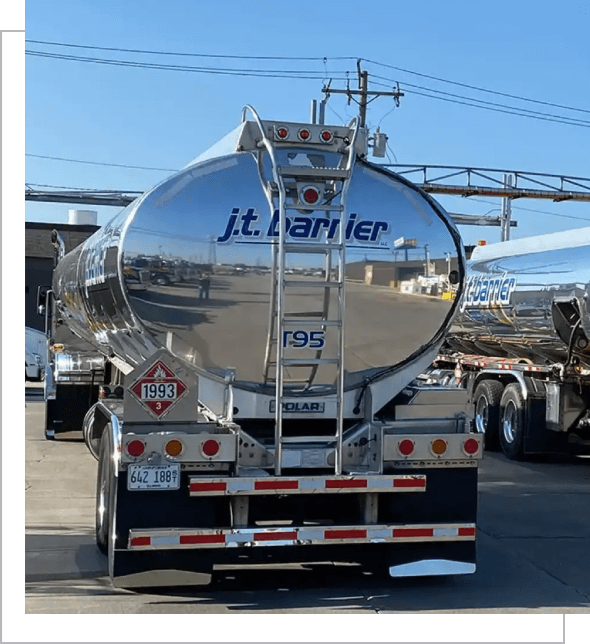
(488, 291)
(247, 226)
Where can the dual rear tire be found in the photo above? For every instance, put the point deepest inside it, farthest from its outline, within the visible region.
(500, 417)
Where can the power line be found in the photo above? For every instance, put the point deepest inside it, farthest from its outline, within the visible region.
(313, 75)
(511, 111)
(272, 73)
(479, 89)
(477, 100)
(196, 55)
(115, 165)
(310, 58)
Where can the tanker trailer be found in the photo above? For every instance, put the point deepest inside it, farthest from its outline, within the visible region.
(265, 408)
(520, 344)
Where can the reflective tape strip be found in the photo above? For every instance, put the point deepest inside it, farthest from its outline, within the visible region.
(186, 539)
(276, 485)
(410, 482)
(275, 536)
(342, 483)
(247, 537)
(345, 534)
(303, 485)
(204, 486)
(413, 532)
(466, 532)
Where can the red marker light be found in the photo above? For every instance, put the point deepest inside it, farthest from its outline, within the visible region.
(310, 195)
(304, 134)
(135, 448)
(210, 447)
(470, 446)
(326, 136)
(406, 447)
(282, 132)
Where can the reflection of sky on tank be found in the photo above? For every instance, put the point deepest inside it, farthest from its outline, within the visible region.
(185, 215)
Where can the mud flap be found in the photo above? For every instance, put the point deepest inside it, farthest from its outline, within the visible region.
(425, 560)
(145, 569)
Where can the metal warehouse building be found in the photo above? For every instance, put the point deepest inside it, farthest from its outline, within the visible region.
(39, 259)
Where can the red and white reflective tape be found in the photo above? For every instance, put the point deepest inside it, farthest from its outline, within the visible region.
(250, 537)
(200, 486)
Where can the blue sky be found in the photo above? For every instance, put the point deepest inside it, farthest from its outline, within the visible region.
(163, 119)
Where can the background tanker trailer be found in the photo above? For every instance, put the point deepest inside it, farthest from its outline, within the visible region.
(268, 413)
(520, 344)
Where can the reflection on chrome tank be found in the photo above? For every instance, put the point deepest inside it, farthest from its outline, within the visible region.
(189, 266)
(529, 299)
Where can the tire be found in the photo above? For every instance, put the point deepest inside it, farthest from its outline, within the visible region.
(105, 493)
(512, 422)
(486, 403)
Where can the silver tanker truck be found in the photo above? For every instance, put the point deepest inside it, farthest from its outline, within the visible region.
(265, 408)
(520, 344)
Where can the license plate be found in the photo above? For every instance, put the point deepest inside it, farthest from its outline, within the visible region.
(153, 477)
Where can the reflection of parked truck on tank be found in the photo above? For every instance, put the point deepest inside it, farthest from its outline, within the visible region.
(520, 345)
(257, 430)
(160, 271)
(35, 354)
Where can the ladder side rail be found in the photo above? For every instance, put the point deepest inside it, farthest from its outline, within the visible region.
(280, 278)
(342, 299)
(271, 337)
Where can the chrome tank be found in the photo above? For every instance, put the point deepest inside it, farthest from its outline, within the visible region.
(512, 290)
(133, 286)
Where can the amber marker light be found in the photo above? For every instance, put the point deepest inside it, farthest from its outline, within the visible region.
(439, 446)
(173, 447)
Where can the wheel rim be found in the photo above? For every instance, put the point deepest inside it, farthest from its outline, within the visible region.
(481, 415)
(509, 422)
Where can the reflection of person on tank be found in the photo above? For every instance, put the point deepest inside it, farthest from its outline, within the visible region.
(204, 285)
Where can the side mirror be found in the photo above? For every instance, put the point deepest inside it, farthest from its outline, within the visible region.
(42, 296)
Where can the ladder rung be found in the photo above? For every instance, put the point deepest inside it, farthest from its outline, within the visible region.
(287, 383)
(311, 248)
(305, 314)
(312, 322)
(311, 284)
(308, 362)
(316, 173)
(308, 439)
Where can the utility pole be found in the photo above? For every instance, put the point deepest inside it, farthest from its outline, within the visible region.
(363, 93)
(364, 90)
(506, 210)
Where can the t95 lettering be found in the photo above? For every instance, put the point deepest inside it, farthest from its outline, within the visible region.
(304, 340)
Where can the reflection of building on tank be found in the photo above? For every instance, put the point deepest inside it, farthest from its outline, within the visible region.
(411, 276)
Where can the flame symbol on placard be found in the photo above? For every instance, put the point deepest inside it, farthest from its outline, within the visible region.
(159, 374)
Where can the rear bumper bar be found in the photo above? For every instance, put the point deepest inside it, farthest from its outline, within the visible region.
(164, 539)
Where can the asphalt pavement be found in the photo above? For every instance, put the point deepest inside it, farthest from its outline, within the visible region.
(533, 550)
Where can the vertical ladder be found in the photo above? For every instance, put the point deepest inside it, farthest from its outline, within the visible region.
(334, 252)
